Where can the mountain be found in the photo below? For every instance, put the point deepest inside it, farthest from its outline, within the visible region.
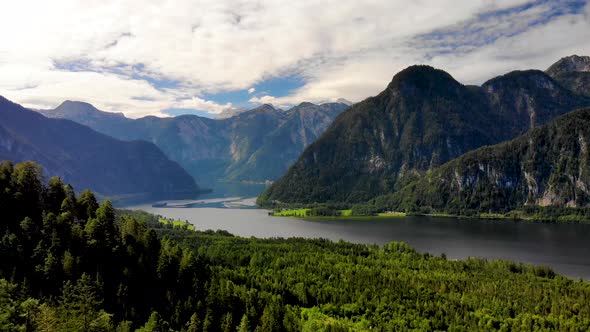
(423, 119)
(279, 148)
(228, 113)
(572, 72)
(549, 165)
(83, 113)
(255, 145)
(344, 101)
(87, 158)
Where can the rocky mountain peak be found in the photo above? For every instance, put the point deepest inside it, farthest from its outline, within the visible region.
(422, 79)
(573, 73)
(344, 101)
(265, 108)
(81, 108)
(574, 63)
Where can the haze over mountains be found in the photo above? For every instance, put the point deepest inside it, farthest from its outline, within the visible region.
(86, 158)
(255, 145)
(423, 119)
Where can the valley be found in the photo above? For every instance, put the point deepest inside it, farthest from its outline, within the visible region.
(432, 190)
(525, 242)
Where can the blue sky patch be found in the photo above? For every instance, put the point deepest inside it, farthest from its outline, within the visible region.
(276, 87)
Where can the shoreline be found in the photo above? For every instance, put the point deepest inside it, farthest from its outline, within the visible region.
(484, 217)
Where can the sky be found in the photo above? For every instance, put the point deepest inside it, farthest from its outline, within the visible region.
(166, 58)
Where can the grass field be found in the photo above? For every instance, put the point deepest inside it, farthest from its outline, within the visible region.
(291, 213)
(300, 213)
(345, 213)
(392, 214)
(177, 223)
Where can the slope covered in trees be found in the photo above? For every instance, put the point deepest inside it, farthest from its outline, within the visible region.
(423, 119)
(68, 263)
(87, 158)
(547, 166)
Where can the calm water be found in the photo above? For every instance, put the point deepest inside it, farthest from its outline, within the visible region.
(564, 247)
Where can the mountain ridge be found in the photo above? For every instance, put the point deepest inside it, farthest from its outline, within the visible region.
(423, 119)
(231, 148)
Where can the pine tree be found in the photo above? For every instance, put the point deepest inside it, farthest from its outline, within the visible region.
(244, 324)
(194, 324)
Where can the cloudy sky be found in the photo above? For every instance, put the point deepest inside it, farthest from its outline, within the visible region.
(203, 56)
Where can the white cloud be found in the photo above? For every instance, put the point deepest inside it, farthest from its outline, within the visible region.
(251, 91)
(342, 48)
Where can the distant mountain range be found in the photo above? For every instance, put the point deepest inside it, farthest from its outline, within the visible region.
(86, 158)
(255, 145)
(423, 119)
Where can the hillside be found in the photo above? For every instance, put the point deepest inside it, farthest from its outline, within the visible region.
(86, 158)
(255, 145)
(423, 119)
(549, 165)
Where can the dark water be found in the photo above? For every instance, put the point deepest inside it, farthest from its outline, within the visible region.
(564, 247)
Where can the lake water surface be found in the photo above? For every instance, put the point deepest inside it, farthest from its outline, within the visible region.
(564, 247)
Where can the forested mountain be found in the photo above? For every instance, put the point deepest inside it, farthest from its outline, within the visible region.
(549, 165)
(87, 158)
(572, 72)
(255, 145)
(423, 119)
(70, 264)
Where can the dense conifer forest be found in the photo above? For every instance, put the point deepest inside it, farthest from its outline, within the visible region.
(70, 263)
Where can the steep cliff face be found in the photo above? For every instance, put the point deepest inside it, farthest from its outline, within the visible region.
(574, 63)
(549, 165)
(572, 72)
(423, 119)
(527, 99)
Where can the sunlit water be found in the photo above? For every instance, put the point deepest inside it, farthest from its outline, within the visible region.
(564, 247)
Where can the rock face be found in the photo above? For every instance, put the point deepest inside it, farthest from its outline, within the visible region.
(255, 145)
(574, 63)
(423, 119)
(572, 72)
(549, 165)
(86, 158)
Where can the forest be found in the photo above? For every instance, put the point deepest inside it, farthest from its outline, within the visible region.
(71, 263)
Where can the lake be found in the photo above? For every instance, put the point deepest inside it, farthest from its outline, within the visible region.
(563, 247)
